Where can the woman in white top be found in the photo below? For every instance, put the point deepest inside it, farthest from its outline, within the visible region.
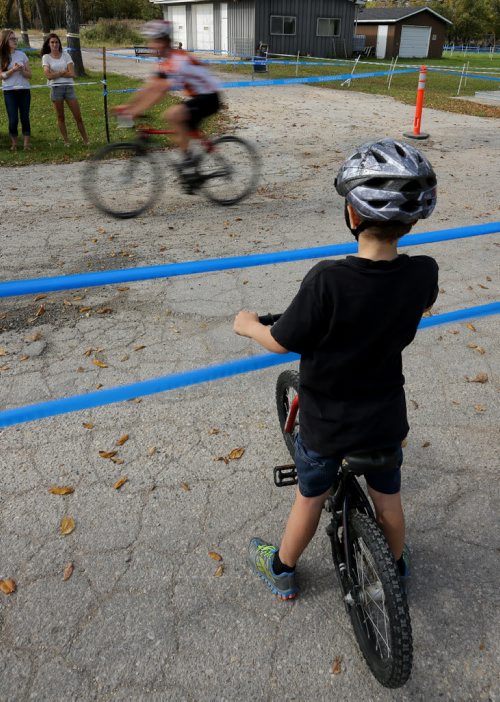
(15, 74)
(59, 68)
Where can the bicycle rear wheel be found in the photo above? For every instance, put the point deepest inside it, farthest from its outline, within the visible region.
(122, 180)
(230, 172)
(287, 388)
(377, 606)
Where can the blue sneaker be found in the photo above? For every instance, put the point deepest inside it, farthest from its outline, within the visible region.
(405, 569)
(261, 556)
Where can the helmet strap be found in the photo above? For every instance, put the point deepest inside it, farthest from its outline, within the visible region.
(355, 231)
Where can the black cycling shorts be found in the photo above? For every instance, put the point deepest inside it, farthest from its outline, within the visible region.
(201, 106)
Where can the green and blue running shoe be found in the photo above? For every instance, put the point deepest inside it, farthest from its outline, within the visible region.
(261, 556)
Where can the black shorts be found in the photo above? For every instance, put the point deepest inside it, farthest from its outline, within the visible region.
(202, 106)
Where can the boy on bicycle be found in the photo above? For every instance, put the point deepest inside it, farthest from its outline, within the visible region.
(350, 321)
(177, 70)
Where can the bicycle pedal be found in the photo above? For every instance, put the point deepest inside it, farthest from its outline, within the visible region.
(285, 475)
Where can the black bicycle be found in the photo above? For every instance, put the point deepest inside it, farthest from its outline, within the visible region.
(126, 178)
(364, 564)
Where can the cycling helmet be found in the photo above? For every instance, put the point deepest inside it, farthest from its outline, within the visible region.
(158, 29)
(387, 181)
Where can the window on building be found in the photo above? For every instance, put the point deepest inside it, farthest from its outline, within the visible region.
(328, 27)
(282, 25)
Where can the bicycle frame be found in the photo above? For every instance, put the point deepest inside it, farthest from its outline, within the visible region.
(144, 131)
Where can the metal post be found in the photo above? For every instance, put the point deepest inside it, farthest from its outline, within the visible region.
(417, 134)
(391, 74)
(105, 92)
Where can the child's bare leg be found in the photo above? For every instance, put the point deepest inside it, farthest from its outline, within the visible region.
(390, 518)
(178, 117)
(301, 526)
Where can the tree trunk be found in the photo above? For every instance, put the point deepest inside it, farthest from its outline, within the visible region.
(22, 23)
(5, 19)
(73, 35)
(43, 11)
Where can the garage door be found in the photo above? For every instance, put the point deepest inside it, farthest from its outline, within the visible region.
(414, 42)
(204, 18)
(178, 17)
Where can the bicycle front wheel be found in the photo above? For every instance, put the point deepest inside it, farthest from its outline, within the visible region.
(230, 172)
(287, 389)
(377, 606)
(122, 180)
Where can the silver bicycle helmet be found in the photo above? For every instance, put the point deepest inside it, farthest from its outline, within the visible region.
(158, 29)
(387, 181)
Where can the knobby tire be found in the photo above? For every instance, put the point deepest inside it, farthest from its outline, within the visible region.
(287, 386)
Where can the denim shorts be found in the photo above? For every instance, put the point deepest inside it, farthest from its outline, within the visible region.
(62, 91)
(316, 473)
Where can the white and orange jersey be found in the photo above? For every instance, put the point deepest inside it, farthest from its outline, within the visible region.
(184, 72)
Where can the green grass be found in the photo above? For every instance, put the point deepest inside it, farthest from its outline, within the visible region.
(439, 95)
(46, 139)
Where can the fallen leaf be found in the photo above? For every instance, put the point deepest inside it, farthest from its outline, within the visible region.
(123, 288)
(215, 556)
(452, 331)
(480, 408)
(185, 487)
(65, 490)
(427, 313)
(482, 646)
(40, 311)
(34, 337)
(426, 444)
(484, 287)
(24, 358)
(120, 482)
(99, 386)
(117, 461)
(82, 310)
(104, 310)
(88, 425)
(337, 665)
(101, 230)
(88, 352)
(488, 278)
(235, 454)
(219, 458)
(107, 454)
(455, 402)
(219, 571)
(122, 440)
(8, 586)
(68, 571)
(68, 303)
(139, 348)
(98, 363)
(40, 297)
(414, 403)
(480, 378)
(151, 450)
(3, 352)
(214, 431)
(67, 525)
(125, 357)
(404, 443)
(471, 327)
(78, 297)
(4, 367)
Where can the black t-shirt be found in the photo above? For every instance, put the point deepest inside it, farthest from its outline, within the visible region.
(350, 321)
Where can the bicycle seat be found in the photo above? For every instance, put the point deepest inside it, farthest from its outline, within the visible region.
(376, 461)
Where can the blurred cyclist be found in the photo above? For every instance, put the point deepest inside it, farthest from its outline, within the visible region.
(177, 70)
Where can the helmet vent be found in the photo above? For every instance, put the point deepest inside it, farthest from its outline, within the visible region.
(411, 186)
(379, 204)
(400, 150)
(378, 157)
(376, 183)
(410, 206)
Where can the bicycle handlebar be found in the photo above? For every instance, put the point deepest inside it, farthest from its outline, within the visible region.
(269, 319)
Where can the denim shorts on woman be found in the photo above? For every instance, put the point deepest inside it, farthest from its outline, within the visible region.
(316, 473)
(62, 91)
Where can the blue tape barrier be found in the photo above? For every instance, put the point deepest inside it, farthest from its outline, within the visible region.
(297, 81)
(52, 408)
(14, 288)
(466, 75)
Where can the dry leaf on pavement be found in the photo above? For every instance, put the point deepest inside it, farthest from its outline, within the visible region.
(480, 378)
(337, 665)
(120, 482)
(471, 327)
(219, 571)
(68, 571)
(64, 490)
(88, 425)
(185, 487)
(215, 556)
(107, 454)
(235, 454)
(98, 363)
(40, 311)
(122, 440)
(67, 525)
(8, 586)
(480, 408)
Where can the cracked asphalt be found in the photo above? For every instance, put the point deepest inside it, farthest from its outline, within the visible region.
(143, 615)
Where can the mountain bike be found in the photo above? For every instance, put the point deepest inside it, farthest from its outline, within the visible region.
(365, 567)
(125, 179)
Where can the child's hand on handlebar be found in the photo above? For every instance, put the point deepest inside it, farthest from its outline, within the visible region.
(244, 321)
